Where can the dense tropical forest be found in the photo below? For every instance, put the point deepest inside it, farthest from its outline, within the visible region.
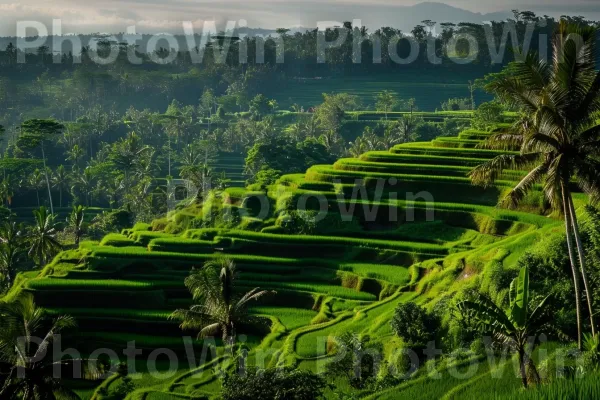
(304, 229)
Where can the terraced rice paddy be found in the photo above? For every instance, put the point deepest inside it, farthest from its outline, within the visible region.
(347, 278)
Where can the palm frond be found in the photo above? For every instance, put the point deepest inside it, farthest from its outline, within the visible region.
(502, 141)
(254, 294)
(210, 330)
(488, 172)
(518, 193)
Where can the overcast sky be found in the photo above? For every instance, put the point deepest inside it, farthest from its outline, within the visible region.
(150, 16)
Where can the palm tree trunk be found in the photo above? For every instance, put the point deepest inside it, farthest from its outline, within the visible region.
(37, 195)
(60, 196)
(580, 252)
(47, 181)
(567, 216)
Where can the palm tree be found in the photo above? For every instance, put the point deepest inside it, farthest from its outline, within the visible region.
(7, 190)
(11, 248)
(84, 184)
(61, 180)
(44, 244)
(219, 307)
(513, 327)
(76, 222)
(558, 134)
(30, 365)
(75, 154)
(36, 182)
(200, 176)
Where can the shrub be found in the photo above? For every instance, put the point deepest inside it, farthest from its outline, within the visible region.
(414, 324)
(272, 384)
(488, 115)
(359, 362)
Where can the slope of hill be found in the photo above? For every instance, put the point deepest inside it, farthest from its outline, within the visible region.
(372, 232)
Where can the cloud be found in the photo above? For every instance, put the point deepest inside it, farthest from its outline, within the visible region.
(151, 16)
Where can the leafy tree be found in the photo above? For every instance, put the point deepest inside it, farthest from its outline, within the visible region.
(329, 117)
(259, 106)
(513, 327)
(343, 101)
(37, 133)
(219, 307)
(265, 178)
(414, 324)
(30, 367)
(487, 115)
(283, 155)
(272, 384)
(456, 104)
(427, 131)
(385, 102)
(557, 134)
(44, 244)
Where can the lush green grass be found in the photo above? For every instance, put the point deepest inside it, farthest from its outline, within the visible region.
(394, 274)
(291, 318)
(331, 290)
(431, 149)
(116, 240)
(66, 284)
(387, 157)
(311, 240)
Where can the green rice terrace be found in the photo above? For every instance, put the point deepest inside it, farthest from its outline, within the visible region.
(371, 248)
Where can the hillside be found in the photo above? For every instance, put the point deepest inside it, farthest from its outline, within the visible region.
(344, 273)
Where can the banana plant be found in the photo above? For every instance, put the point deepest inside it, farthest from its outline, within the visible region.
(515, 327)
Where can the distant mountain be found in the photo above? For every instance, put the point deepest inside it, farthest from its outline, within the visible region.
(403, 17)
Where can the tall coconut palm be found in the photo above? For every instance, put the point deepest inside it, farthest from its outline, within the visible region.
(44, 244)
(219, 308)
(558, 134)
(29, 365)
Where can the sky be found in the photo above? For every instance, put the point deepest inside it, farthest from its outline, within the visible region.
(152, 16)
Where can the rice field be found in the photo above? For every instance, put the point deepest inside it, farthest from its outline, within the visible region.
(344, 277)
(429, 91)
